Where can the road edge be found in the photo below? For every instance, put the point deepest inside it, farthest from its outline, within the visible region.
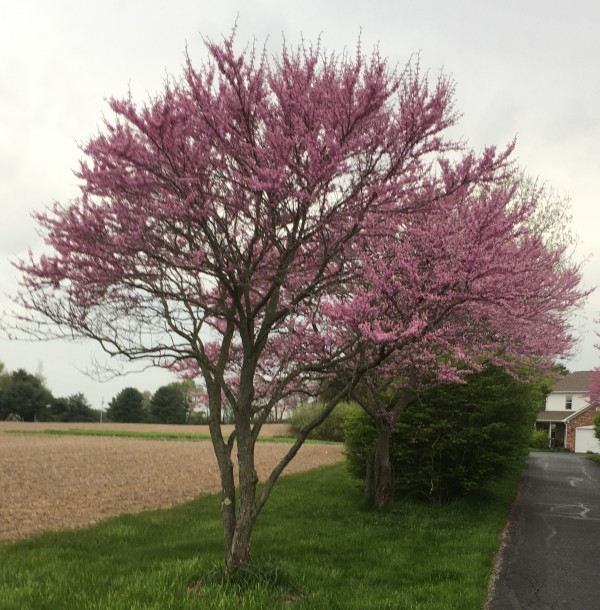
(504, 536)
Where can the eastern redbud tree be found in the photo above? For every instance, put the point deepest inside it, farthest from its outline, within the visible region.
(238, 225)
(476, 280)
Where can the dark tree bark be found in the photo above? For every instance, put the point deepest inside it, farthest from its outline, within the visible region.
(382, 466)
(379, 480)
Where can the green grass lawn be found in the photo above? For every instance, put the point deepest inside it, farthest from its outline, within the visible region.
(315, 546)
(145, 434)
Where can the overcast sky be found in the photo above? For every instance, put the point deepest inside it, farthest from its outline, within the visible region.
(525, 69)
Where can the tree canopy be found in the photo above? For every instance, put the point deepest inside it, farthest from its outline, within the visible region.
(126, 406)
(74, 408)
(168, 405)
(25, 395)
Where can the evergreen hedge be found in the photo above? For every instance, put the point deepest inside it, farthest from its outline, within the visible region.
(455, 437)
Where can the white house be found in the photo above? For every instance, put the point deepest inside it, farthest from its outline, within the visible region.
(569, 393)
(568, 416)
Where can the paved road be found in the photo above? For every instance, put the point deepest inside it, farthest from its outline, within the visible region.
(552, 557)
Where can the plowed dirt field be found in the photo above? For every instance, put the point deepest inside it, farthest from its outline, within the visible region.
(56, 482)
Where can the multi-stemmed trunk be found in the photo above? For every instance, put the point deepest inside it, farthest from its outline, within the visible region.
(238, 502)
(382, 478)
(237, 551)
(379, 483)
(238, 515)
(240, 510)
(237, 509)
(379, 480)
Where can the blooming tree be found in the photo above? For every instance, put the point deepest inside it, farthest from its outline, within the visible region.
(219, 225)
(593, 396)
(473, 280)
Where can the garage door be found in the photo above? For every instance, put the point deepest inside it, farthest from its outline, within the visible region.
(585, 440)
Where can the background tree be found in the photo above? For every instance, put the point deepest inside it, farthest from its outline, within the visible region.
(147, 396)
(4, 382)
(332, 429)
(74, 408)
(220, 224)
(126, 406)
(26, 396)
(168, 405)
(5, 378)
(194, 395)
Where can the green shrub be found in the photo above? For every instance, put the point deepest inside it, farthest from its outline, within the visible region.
(596, 423)
(196, 418)
(455, 437)
(332, 429)
(359, 439)
(539, 440)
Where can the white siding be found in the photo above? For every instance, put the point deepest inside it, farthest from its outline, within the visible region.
(556, 401)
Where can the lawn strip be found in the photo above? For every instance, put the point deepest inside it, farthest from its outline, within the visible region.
(315, 546)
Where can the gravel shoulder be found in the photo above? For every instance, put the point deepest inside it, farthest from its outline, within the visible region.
(57, 482)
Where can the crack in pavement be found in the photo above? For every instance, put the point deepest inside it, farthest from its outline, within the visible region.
(564, 510)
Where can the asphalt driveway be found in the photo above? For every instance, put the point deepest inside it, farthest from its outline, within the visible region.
(552, 556)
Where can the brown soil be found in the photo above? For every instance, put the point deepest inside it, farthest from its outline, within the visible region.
(55, 482)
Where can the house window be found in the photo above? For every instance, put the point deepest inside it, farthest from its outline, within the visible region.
(569, 402)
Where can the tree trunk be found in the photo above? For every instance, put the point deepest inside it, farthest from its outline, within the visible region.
(223, 455)
(238, 551)
(228, 497)
(382, 466)
(238, 554)
(370, 478)
(239, 524)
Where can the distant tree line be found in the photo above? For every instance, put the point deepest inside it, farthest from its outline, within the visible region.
(25, 396)
(171, 404)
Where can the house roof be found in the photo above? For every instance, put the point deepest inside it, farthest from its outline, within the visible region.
(553, 416)
(578, 381)
(562, 416)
